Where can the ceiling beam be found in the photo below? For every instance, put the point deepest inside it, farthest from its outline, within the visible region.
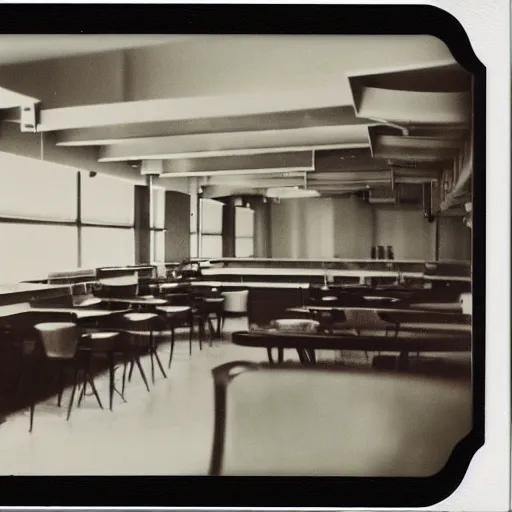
(11, 99)
(175, 109)
(414, 107)
(301, 139)
(106, 157)
(277, 161)
(287, 173)
(106, 135)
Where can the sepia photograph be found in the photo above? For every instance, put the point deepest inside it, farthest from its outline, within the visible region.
(236, 255)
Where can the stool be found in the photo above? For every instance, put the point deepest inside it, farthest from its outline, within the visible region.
(208, 306)
(172, 313)
(137, 326)
(98, 344)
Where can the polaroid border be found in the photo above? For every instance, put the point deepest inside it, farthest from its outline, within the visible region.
(267, 492)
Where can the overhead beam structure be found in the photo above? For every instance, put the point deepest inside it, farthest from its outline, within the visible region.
(101, 136)
(225, 144)
(175, 109)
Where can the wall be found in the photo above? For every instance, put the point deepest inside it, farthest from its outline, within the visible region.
(454, 239)
(407, 230)
(262, 228)
(302, 228)
(354, 228)
(177, 225)
(348, 227)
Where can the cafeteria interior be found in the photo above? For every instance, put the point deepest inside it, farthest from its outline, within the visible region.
(252, 286)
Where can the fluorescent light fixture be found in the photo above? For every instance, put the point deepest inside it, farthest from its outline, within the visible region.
(290, 193)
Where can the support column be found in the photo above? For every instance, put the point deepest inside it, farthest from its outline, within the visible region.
(142, 231)
(195, 212)
(151, 206)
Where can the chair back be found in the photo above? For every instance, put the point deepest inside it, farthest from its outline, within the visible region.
(236, 301)
(59, 339)
(284, 420)
(119, 287)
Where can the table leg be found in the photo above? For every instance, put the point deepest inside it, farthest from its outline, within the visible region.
(403, 361)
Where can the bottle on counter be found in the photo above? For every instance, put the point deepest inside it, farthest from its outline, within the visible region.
(374, 253)
(390, 255)
(380, 252)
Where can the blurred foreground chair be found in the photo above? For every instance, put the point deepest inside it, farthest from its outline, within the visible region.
(291, 420)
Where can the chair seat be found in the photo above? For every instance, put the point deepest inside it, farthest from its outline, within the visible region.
(83, 303)
(102, 335)
(213, 300)
(140, 317)
(169, 310)
(54, 326)
(99, 341)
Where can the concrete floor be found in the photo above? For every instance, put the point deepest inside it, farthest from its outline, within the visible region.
(166, 431)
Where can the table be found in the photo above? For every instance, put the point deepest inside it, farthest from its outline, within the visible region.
(137, 301)
(311, 342)
(404, 319)
(81, 313)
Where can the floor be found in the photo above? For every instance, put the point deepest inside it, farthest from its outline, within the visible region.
(166, 431)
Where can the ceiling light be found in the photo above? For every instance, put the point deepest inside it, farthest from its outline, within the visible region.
(291, 193)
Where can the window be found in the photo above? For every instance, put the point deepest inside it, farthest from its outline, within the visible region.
(244, 247)
(211, 246)
(211, 230)
(103, 247)
(211, 217)
(34, 189)
(107, 200)
(244, 232)
(32, 251)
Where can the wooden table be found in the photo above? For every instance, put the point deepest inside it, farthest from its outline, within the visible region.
(312, 342)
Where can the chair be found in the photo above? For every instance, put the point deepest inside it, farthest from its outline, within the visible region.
(100, 344)
(291, 420)
(174, 315)
(60, 343)
(179, 299)
(26, 341)
(235, 302)
(141, 328)
(207, 302)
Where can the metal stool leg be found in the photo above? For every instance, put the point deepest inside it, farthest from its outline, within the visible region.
(172, 342)
(142, 374)
(75, 384)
